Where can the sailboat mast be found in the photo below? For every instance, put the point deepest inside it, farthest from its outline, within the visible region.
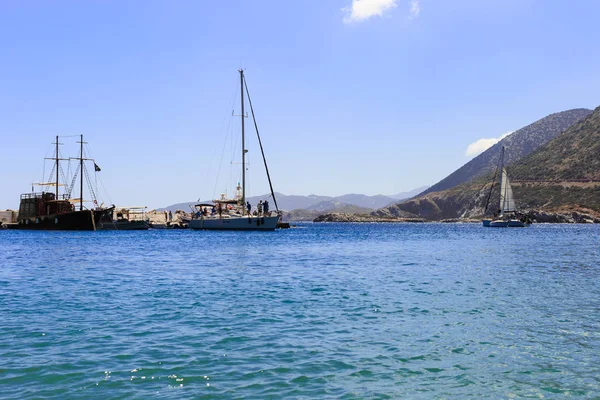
(56, 167)
(81, 174)
(243, 142)
(502, 182)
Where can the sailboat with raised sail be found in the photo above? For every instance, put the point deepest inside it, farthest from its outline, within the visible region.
(233, 214)
(51, 210)
(506, 216)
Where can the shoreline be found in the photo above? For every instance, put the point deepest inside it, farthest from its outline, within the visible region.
(536, 216)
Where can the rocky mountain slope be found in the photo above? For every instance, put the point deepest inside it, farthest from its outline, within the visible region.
(562, 176)
(518, 145)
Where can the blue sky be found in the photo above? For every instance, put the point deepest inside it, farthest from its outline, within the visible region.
(373, 97)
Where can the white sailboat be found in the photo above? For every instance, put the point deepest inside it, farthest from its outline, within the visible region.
(232, 214)
(506, 217)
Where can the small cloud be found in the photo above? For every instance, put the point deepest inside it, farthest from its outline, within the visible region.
(361, 10)
(482, 145)
(415, 8)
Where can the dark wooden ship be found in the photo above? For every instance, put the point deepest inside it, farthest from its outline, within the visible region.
(48, 210)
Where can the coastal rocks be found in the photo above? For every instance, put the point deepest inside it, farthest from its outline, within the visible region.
(573, 217)
(393, 212)
(564, 217)
(343, 217)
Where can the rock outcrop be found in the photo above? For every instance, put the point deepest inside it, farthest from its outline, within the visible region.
(343, 217)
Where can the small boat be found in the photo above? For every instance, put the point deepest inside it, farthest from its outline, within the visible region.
(507, 216)
(232, 214)
(126, 219)
(48, 210)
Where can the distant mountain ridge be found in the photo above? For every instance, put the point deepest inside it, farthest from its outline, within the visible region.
(312, 202)
(518, 145)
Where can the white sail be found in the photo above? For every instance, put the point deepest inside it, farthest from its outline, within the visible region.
(507, 201)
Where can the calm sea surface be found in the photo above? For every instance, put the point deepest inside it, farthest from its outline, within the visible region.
(350, 311)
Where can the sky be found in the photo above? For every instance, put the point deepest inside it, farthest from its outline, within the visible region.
(351, 96)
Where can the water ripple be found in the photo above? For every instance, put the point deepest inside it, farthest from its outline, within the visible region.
(327, 311)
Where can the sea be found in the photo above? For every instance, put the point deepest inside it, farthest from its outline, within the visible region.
(318, 311)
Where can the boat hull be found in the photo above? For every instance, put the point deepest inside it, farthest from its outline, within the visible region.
(511, 223)
(86, 220)
(125, 225)
(245, 223)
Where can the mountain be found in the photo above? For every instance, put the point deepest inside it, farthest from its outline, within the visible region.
(572, 156)
(284, 202)
(518, 145)
(562, 175)
(295, 202)
(363, 201)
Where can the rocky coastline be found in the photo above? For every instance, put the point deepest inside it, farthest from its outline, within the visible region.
(540, 217)
(346, 217)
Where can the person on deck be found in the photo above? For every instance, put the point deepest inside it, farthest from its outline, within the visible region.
(249, 208)
(260, 207)
(266, 207)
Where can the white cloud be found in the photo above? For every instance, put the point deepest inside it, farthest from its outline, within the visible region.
(361, 10)
(415, 8)
(482, 145)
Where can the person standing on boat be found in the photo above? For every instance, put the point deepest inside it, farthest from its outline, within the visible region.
(260, 207)
(170, 216)
(266, 207)
(220, 209)
(249, 208)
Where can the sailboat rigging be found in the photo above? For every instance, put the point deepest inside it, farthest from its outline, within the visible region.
(49, 210)
(233, 214)
(506, 216)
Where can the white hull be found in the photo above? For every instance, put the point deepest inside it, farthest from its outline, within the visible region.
(241, 223)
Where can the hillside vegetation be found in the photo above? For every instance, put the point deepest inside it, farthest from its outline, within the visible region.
(518, 145)
(574, 155)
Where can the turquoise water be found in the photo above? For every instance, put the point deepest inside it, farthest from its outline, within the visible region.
(319, 311)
